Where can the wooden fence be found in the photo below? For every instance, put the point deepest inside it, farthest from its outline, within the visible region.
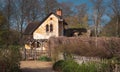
(33, 54)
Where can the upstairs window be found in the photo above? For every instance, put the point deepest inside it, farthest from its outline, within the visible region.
(51, 27)
(47, 28)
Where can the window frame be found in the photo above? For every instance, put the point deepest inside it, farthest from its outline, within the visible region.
(51, 27)
(47, 28)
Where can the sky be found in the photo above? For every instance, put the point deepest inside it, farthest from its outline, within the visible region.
(89, 4)
(76, 2)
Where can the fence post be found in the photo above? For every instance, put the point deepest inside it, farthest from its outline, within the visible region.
(49, 49)
(25, 53)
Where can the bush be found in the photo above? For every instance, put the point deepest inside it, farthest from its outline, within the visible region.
(94, 67)
(10, 58)
(72, 66)
(44, 58)
(58, 65)
(66, 66)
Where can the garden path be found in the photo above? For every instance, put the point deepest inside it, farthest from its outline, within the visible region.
(35, 66)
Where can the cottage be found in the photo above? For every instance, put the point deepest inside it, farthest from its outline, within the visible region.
(53, 25)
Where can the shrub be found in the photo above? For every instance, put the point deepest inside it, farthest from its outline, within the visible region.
(10, 58)
(94, 67)
(66, 66)
(87, 67)
(44, 58)
(72, 66)
(57, 66)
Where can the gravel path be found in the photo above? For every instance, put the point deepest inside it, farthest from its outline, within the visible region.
(36, 66)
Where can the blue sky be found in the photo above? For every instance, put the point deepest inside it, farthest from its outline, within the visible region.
(89, 4)
(76, 2)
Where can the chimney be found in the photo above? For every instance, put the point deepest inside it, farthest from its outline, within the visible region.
(59, 12)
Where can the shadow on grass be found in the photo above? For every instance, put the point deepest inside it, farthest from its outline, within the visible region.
(36, 70)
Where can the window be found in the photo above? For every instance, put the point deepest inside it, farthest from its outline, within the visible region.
(47, 28)
(51, 27)
(51, 18)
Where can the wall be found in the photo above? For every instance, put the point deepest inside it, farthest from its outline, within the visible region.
(61, 32)
(40, 32)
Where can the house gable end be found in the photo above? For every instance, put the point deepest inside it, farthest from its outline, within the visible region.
(42, 33)
(34, 25)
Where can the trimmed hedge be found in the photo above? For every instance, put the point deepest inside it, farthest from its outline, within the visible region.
(102, 47)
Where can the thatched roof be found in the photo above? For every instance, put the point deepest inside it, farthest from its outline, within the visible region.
(70, 31)
(31, 28)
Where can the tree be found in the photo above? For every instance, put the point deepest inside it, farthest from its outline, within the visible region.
(112, 28)
(6, 40)
(77, 17)
(3, 29)
(50, 6)
(73, 22)
(109, 29)
(98, 12)
(115, 6)
(7, 11)
(67, 9)
(25, 11)
(82, 15)
(2, 19)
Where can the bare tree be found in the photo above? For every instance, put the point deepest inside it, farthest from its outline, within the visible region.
(50, 6)
(82, 15)
(8, 12)
(32, 10)
(67, 9)
(115, 6)
(99, 10)
(26, 11)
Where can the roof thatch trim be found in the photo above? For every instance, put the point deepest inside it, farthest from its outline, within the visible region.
(31, 28)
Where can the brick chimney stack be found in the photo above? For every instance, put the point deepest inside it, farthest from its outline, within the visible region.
(59, 12)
